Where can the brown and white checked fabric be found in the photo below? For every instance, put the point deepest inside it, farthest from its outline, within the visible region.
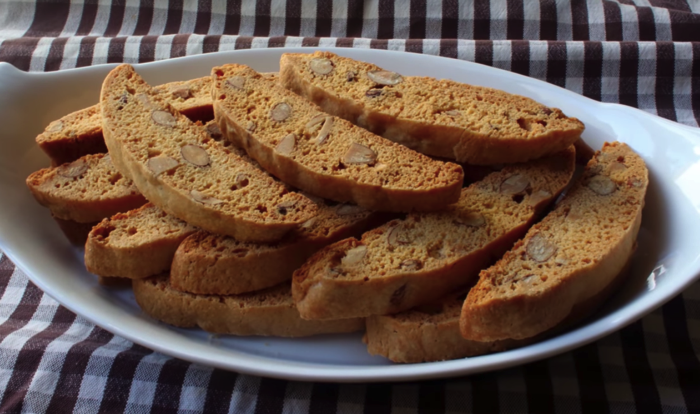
(643, 53)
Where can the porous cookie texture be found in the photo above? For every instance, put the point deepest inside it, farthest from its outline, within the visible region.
(426, 256)
(268, 312)
(136, 244)
(426, 333)
(86, 190)
(179, 168)
(80, 133)
(567, 259)
(213, 264)
(326, 156)
(443, 118)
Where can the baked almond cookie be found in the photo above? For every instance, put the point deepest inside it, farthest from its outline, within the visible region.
(424, 257)
(179, 168)
(136, 244)
(443, 118)
(85, 191)
(80, 133)
(426, 333)
(328, 157)
(567, 259)
(268, 312)
(211, 264)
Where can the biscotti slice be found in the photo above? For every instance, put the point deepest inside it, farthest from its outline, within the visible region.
(571, 256)
(426, 333)
(136, 244)
(269, 312)
(426, 256)
(328, 157)
(180, 169)
(443, 118)
(86, 190)
(80, 133)
(212, 264)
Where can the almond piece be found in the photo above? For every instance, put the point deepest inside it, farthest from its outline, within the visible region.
(348, 210)
(55, 126)
(316, 120)
(236, 82)
(359, 154)
(321, 66)
(354, 256)
(309, 223)
(183, 92)
(540, 249)
(538, 196)
(195, 155)
(72, 170)
(411, 265)
(163, 118)
(325, 131)
(453, 113)
(515, 184)
(397, 236)
(601, 185)
(284, 207)
(373, 93)
(161, 164)
(617, 166)
(214, 131)
(280, 112)
(203, 198)
(385, 77)
(350, 76)
(286, 145)
(470, 219)
(250, 127)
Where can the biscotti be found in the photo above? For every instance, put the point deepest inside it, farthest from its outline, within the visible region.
(443, 118)
(136, 244)
(405, 263)
(567, 259)
(426, 333)
(180, 169)
(326, 156)
(80, 133)
(212, 264)
(269, 312)
(85, 191)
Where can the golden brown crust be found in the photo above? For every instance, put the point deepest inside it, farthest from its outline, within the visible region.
(567, 258)
(86, 190)
(80, 133)
(323, 155)
(212, 264)
(443, 118)
(136, 244)
(269, 312)
(179, 168)
(426, 256)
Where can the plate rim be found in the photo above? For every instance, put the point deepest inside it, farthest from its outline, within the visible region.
(289, 370)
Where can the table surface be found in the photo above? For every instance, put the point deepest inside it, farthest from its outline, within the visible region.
(643, 53)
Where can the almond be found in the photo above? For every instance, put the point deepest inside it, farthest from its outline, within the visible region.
(515, 184)
(284, 207)
(385, 77)
(350, 76)
(280, 112)
(55, 126)
(538, 196)
(601, 185)
(453, 113)
(397, 236)
(359, 154)
(163, 118)
(411, 265)
(325, 131)
(321, 66)
(214, 131)
(183, 92)
(72, 170)
(470, 219)
(236, 82)
(203, 198)
(250, 127)
(373, 93)
(540, 249)
(161, 164)
(286, 145)
(195, 155)
(316, 120)
(354, 256)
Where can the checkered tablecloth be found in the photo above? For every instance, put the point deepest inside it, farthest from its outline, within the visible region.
(643, 53)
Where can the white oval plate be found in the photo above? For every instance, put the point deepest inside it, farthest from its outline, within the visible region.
(667, 259)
